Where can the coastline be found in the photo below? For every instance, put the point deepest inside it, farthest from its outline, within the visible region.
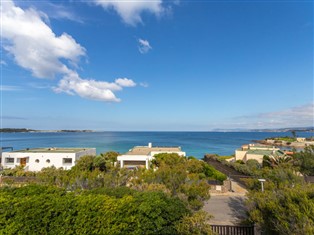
(285, 143)
(25, 130)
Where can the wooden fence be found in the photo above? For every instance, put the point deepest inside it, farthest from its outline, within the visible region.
(233, 230)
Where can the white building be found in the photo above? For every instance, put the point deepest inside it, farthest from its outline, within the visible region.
(256, 152)
(38, 158)
(140, 156)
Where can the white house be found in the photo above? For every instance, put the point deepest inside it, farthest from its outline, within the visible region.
(38, 158)
(301, 139)
(140, 156)
(256, 152)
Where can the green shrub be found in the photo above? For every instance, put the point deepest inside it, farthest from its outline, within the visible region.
(39, 209)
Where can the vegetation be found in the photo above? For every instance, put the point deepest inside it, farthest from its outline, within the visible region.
(275, 161)
(283, 210)
(250, 169)
(15, 130)
(286, 138)
(305, 160)
(194, 224)
(286, 206)
(51, 210)
(96, 197)
(287, 203)
(294, 134)
(181, 177)
(225, 157)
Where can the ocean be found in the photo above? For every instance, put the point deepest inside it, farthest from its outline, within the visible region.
(193, 143)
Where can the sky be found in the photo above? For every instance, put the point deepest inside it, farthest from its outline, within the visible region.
(156, 65)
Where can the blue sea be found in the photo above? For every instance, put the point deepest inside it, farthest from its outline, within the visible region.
(193, 143)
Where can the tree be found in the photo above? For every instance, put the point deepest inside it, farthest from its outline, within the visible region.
(100, 162)
(181, 177)
(172, 178)
(196, 224)
(288, 210)
(170, 159)
(294, 134)
(275, 160)
(50, 210)
(85, 163)
(253, 164)
(196, 191)
(305, 160)
(110, 156)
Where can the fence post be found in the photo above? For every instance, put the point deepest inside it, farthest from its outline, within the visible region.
(230, 187)
(257, 230)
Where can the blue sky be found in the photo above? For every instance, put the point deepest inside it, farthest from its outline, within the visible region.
(156, 65)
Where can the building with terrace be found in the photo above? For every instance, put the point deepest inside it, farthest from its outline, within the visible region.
(37, 158)
(257, 152)
(140, 156)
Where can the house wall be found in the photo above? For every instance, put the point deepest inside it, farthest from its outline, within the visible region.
(257, 157)
(263, 148)
(240, 155)
(134, 160)
(138, 160)
(300, 139)
(37, 161)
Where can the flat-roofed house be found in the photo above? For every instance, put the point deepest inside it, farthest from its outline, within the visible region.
(140, 156)
(37, 158)
(256, 152)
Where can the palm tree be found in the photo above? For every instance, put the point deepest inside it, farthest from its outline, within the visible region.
(275, 160)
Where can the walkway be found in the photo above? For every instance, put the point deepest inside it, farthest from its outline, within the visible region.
(227, 209)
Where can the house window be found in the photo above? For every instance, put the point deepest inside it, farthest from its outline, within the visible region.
(67, 160)
(37, 160)
(48, 160)
(9, 160)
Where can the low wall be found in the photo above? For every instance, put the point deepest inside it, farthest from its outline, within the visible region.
(225, 187)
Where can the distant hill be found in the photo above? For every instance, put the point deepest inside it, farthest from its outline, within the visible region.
(13, 130)
(287, 129)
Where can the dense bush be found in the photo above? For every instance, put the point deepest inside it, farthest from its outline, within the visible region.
(284, 210)
(305, 160)
(49, 210)
(182, 177)
(238, 166)
(96, 197)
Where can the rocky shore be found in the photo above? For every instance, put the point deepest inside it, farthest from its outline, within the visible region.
(283, 143)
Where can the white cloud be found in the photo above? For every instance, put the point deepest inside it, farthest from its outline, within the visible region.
(143, 46)
(34, 45)
(39, 85)
(304, 112)
(144, 84)
(124, 82)
(9, 88)
(299, 116)
(2, 62)
(130, 11)
(58, 11)
(38, 49)
(95, 90)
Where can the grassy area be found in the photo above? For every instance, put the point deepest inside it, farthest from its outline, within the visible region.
(283, 138)
(225, 157)
(286, 138)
